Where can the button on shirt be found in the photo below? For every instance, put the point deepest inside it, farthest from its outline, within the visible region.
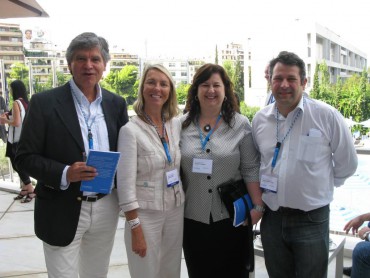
(317, 154)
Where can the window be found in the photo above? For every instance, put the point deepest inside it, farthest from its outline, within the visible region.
(184, 73)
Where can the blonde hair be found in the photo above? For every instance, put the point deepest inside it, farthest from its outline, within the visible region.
(169, 109)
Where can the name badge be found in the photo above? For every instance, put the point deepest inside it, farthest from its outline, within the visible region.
(202, 166)
(172, 178)
(269, 183)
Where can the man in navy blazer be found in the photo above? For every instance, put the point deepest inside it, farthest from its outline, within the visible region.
(77, 228)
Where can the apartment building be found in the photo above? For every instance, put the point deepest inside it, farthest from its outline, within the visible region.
(11, 50)
(182, 71)
(313, 42)
(231, 52)
(41, 58)
(119, 59)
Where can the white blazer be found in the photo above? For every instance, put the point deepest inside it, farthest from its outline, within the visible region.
(141, 173)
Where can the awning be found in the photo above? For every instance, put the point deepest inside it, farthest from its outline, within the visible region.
(21, 8)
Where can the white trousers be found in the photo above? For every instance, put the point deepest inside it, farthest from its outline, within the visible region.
(163, 235)
(89, 253)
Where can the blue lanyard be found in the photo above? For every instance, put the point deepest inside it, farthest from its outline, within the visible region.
(89, 133)
(271, 99)
(163, 137)
(279, 143)
(204, 141)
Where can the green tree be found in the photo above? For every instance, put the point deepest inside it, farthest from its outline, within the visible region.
(238, 80)
(61, 80)
(236, 75)
(229, 68)
(124, 82)
(216, 56)
(315, 92)
(182, 92)
(363, 89)
(19, 71)
(248, 111)
(350, 100)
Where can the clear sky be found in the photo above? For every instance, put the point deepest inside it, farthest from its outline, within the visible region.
(192, 28)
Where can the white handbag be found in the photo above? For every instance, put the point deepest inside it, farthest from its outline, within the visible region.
(15, 131)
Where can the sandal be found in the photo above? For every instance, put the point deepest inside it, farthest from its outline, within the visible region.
(20, 195)
(29, 198)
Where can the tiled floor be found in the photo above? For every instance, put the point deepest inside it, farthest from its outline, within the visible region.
(21, 252)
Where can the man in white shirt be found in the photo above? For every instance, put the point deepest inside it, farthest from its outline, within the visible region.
(269, 97)
(306, 149)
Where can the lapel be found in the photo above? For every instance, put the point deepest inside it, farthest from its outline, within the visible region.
(110, 118)
(67, 112)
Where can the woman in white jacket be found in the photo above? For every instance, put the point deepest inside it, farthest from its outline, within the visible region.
(149, 186)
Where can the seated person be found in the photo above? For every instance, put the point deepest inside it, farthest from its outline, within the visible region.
(361, 252)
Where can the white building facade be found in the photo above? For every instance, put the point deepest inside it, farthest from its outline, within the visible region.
(311, 41)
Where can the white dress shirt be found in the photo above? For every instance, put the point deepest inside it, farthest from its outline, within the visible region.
(317, 154)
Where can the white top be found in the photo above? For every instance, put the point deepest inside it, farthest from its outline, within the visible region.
(317, 154)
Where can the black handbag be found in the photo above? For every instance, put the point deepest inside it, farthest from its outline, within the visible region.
(229, 192)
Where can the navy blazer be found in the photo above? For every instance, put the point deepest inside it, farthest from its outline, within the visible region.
(51, 139)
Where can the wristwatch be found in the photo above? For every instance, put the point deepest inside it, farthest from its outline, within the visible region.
(259, 208)
(366, 236)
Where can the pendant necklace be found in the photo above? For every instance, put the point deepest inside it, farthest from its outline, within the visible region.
(207, 128)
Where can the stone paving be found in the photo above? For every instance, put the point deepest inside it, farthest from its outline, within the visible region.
(21, 253)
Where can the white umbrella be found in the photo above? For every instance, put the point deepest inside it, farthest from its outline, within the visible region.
(21, 8)
(365, 123)
(350, 122)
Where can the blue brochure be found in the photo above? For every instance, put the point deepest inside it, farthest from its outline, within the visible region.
(240, 210)
(106, 165)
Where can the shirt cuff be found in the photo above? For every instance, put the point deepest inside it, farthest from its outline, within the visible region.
(64, 184)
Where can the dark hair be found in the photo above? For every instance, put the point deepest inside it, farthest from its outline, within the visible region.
(289, 59)
(19, 90)
(88, 40)
(229, 106)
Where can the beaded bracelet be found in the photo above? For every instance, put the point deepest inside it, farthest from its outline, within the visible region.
(133, 223)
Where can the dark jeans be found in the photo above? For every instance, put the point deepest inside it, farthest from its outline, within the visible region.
(296, 243)
(361, 260)
(216, 250)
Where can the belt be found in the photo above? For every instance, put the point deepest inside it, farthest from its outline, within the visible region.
(289, 210)
(91, 198)
(285, 210)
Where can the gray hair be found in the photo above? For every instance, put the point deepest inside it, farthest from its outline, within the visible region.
(88, 40)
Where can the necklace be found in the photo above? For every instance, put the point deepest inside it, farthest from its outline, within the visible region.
(207, 128)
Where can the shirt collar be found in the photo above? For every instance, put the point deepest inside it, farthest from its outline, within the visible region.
(78, 93)
(271, 111)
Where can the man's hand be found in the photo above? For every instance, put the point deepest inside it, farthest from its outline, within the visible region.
(362, 232)
(353, 224)
(79, 171)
